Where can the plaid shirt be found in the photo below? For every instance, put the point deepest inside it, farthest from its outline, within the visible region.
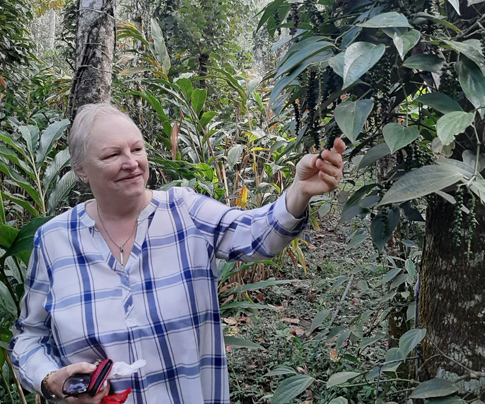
(80, 304)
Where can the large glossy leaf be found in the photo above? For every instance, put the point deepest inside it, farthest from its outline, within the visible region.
(410, 340)
(159, 48)
(60, 161)
(351, 116)
(52, 133)
(25, 238)
(7, 303)
(186, 87)
(61, 191)
(375, 153)
(359, 58)
(404, 43)
(7, 235)
(304, 53)
(434, 388)
(340, 378)
(30, 134)
(398, 136)
(234, 154)
(472, 82)
(198, 99)
(337, 63)
(291, 388)
(423, 181)
(9, 141)
(387, 20)
(16, 159)
(20, 202)
(452, 124)
(471, 48)
(395, 358)
(441, 102)
(157, 106)
(383, 225)
(426, 62)
(235, 342)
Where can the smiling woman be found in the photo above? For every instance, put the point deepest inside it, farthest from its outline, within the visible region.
(131, 275)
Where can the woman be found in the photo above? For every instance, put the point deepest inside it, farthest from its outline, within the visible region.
(132, 275)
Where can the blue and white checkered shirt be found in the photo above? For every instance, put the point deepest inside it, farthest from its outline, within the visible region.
(80, 304)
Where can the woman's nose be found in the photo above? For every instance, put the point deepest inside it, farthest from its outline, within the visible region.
(129, 162)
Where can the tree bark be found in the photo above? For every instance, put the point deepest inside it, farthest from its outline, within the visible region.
(452, 294)
(95, 42)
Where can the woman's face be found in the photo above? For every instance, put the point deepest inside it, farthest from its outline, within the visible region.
(116, 164)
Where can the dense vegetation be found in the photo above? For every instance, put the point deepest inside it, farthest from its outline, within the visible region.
(229, 95)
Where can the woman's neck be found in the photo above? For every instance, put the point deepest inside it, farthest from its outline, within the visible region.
(120, 209)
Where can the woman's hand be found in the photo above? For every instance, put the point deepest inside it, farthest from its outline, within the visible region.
(57, 379)
(315, 176)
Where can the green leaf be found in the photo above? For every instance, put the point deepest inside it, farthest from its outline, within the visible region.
(351, 116)
(21, 182)
(52, 133)
(235, 342)
(410, 340)
(383, 225)
(234, 154)
(281, 370)
(60, 161)
(61, 191)
(7, 302)
(395, 357)
(404, 43)
(7, 235)
(319, 319)
(472, 82)
(340, 378)
(426, 62)
(198, 100)
(303, 54)
(260, 285)
(353, 205)
(21, 202)
(157, 106)
(389, 276)
(359, 58)
(423, 181)
(451, 400)
(434, 388)
(207, 117)
(2, 211)
(8, 140)
(375, 153)
(452, 124)
(25, 238)
(441, 102)
(186, 87)
(387, 20)
(398, 136)
(158, 47)
(245, 306)
(471, 48)
(291, 388)
(30, 137)
(339, 400)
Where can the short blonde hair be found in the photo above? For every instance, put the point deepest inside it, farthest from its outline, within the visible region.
(78, 140)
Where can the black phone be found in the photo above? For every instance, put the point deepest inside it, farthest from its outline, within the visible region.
(76, 384)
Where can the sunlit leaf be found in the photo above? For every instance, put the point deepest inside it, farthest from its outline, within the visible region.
(186, 86)
(359, 58)
(452, 124)
(398, 136)
(423, 181)
(434, 388)
(159, 48)
(351, 117)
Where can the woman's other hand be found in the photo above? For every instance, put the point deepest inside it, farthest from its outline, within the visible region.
(57, 379)
(315, 175)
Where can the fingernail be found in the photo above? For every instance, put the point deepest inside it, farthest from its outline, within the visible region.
(92, 367)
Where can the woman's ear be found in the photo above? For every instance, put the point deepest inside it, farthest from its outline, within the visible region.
(81, 175)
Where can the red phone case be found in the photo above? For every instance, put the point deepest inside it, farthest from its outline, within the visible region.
(99, 376)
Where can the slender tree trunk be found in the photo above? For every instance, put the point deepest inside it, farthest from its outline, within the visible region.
(452, 295)
(95, 42)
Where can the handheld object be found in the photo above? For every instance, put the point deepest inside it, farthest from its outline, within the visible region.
(90, 383)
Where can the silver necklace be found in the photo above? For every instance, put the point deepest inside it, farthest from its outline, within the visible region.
(122, 261)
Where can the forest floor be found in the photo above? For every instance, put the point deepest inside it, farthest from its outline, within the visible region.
(330, 285)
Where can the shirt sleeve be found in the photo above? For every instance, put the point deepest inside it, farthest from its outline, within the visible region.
(32, 348)
(249, 235)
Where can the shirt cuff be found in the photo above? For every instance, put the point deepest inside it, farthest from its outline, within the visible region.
(39, 377)
(289, 222)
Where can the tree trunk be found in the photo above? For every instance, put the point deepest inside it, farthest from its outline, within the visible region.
(95, 42)
(452, 295)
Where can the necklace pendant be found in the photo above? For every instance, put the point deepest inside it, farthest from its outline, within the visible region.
(122, 261)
